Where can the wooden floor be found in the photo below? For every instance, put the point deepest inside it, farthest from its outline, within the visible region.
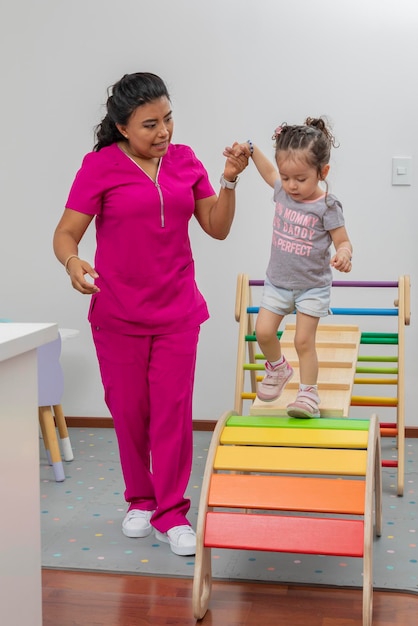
(101, 599)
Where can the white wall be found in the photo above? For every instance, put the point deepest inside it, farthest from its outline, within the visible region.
(235, 70)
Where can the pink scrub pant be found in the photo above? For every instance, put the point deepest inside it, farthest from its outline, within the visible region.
(148, 383)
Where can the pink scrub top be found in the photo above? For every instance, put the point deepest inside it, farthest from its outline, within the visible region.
(143, 255)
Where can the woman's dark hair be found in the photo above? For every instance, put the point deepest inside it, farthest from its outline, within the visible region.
(130, 92)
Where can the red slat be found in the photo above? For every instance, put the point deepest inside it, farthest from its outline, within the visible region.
(276, 533)
(389, 463)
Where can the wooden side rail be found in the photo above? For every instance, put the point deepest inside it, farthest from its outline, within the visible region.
(316, 485)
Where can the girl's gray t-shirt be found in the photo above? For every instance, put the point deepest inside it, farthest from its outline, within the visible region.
(301, 242)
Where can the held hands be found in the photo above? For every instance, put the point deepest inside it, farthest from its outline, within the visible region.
(76, 269)
(237, 157)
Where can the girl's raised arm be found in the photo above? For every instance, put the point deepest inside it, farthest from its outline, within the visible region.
(267, 170)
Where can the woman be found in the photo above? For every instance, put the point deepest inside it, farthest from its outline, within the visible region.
(146, 309)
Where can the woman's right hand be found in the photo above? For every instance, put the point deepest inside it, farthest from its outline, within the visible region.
(237, 150)
(237, 157)
(77, 269)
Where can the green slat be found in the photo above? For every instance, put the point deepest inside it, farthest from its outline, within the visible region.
(376, 370)
(366, 338)
(253, 337)
(378, 359)
(362, 370)
(386, 335)
(333, 423)
(378, 340)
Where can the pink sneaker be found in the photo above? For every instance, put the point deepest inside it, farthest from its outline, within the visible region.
(274, 381)
(305, 405)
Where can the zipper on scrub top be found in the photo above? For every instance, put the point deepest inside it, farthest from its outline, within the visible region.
(160, 193)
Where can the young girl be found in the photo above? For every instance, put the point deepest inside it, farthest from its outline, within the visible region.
(307, 220)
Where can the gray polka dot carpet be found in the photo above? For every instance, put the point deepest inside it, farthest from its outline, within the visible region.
(81, 525)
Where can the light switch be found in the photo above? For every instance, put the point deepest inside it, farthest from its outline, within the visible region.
(401, 170)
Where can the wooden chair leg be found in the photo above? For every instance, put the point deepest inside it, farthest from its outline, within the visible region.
(48, 427)
(45, 438)
(63, 433)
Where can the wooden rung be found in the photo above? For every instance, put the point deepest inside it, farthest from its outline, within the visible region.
(389, 432)
(324, 344)
(334, 402)
(276, 533)
(373, 401)
(294, 362)
(377, 370)
(375, 381)
(322, 384)
(387, 463)
(330, 327)
(313, 438)
(343, 383)
(248, 396)
(291, 460)
(271, 421)
(363, 358)
(287, 493)
(334, 364)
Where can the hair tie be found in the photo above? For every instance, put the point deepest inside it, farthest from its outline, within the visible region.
(277, 133)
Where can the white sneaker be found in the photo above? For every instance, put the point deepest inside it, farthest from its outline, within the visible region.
(182, 539)
(137, 523)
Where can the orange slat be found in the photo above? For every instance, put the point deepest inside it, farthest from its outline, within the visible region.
(276, 533)
(290, 493)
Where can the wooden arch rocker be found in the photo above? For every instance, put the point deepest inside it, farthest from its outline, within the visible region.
(281, 484)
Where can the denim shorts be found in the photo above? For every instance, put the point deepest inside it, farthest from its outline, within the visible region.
(314, 302)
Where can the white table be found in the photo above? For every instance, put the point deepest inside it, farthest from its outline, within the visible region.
(20, 529)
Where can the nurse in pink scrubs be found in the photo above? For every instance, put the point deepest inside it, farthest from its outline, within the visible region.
(146, 309)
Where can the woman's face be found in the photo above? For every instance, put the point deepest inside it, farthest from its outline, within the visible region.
(149, 129)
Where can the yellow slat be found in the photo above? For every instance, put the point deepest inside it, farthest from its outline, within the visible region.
(291, 460)
(294, 437)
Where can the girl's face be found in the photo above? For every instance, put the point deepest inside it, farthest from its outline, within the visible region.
(299, 179)
(149, 129)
